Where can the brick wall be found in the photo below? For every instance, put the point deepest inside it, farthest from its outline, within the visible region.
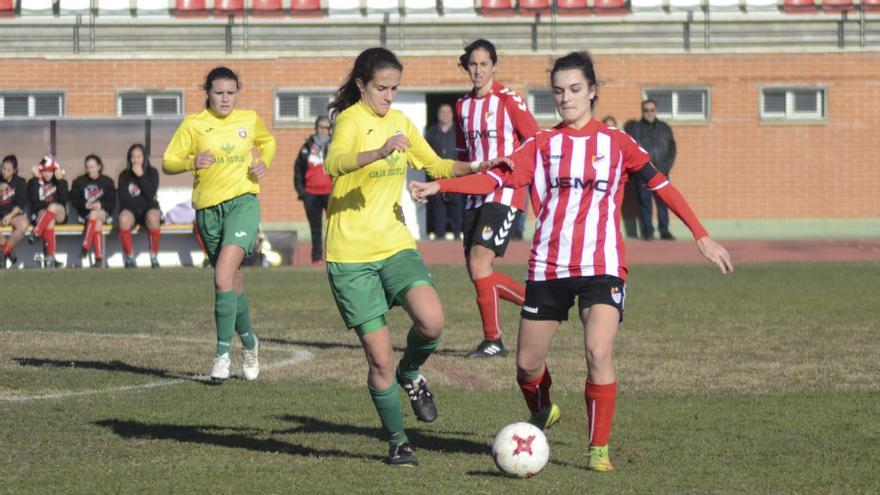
(732, 167)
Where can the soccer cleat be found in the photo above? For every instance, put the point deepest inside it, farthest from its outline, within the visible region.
(487, 349)
(548, 417)
(250, 364)
(222, 367)
(402, 454)
(421, 399)
(99, 263)
(13, 260)
(49, 263)
(597, 459)
(154, 261)
(129, 262)
(2, 261)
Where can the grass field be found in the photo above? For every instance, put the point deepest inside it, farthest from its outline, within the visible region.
(766, 381)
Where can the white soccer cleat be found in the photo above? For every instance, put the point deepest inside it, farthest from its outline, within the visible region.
(222, 367)
(250, 363)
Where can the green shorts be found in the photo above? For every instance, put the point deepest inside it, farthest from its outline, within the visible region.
(234, 222)
(366, 291)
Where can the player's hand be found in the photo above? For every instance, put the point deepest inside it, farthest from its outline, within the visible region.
(488, 164)
(258, 168)
(59, 173)
(204, 160)
(419, 191)
(715, 253)
(7, 219)
(397, 142)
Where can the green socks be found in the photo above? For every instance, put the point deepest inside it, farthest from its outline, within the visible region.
(417, 351)
(387, 404)
(243, 323)
(225, 308)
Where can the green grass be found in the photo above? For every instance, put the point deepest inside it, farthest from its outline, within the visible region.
(766, 381)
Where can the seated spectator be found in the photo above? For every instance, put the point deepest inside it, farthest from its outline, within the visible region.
(138, 185)
(47, 194)
(93, 195)
(13, 203)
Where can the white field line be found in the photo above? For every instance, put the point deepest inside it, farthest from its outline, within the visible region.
(297, 356)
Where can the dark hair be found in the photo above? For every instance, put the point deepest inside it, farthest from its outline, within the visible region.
(13, 160)
(581, 61)
(487, 45)
(219, 73)
(607, 118)
(649, 100)
(131, 149)
(365, 66)
(319, 119)
(97, 159)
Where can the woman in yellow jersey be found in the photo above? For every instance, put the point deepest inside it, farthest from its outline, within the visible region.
(227, 150)
(372, 261)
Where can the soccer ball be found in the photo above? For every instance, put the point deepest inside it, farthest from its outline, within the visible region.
(520, 450)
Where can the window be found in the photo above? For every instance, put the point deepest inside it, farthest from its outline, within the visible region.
(35, 106)
(302, 107)
(680, 103)
(792, 104)
(542, 104)
(149, 104)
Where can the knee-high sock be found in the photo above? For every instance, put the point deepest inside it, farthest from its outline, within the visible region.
(155, 235)
(43, 222)
(487, 301)
(509, 289)
(99, 242)
(49, 239)
(416, 353)
(387, 404)
(243, 323)
(225, 307)
(88, 234)
(125, 238)
(600, 411)
(537, 391)
(7, 249)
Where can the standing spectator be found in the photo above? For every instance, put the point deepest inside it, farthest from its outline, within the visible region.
(93, 195)
(629, 212)
(445, 208)
(13, 203)
(656, 138)
(138, 185)
(47, 193)
(313, 184)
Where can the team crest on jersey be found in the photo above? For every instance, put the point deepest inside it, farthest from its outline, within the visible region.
(134, 190)
(6, 194)
(242, 132)
(487, 233)
(47, 193)
(92, 193)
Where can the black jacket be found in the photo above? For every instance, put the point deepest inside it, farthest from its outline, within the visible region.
(12, 194)
(42, 194)
(301, 165)
(85, 189)
(138, 193)
(657, 140)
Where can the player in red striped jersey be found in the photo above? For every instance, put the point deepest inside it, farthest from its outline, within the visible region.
(577, 171)
(491, 121)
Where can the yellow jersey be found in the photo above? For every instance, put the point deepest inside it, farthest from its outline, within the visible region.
(231, 140)
(364, 218)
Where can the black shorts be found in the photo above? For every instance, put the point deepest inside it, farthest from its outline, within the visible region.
(490, 225)
(551, 299)
(140, 215)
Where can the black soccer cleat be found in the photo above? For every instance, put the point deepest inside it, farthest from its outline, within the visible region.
(402, 454)
(2, 261)
(421, 399)
(154, 261)
(487, 349)
(128, 261)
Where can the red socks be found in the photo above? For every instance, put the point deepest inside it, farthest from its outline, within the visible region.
(43, 222)
(155, 235)
(509, 289)
(89, 234)
(7, 249)
(600, 411)
(489, 289)
(127, 244)
(49, 239)
(537, 392)
(98, 238)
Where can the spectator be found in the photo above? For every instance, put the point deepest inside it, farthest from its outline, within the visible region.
(656, 138)
(47, 194)
(629, 213)
(93, 195)
(313, 184)
(13, 203)
(445, 208)
(138, 185)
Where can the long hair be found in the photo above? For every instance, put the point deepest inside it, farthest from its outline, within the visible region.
(131, 149)
(97, 160)
(583, 62)
(13, 160)
(365, 66)
(218, 73)
(487, 45)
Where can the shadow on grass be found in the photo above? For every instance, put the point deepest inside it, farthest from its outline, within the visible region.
(241, 438)
(114, 366)
(341, 345)
(420, 440)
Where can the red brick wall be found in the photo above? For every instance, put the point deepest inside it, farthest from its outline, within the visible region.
(733, 167)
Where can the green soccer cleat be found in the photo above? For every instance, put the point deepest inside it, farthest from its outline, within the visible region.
(546, 418)
(597, 459)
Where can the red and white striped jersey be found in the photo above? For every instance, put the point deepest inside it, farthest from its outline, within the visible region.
(491, 126)
(578, 178)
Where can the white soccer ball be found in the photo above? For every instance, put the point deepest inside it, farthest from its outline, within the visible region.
(520, 450)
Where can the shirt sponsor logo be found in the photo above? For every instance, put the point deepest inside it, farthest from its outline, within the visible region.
(479, 134)
(578, 183)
